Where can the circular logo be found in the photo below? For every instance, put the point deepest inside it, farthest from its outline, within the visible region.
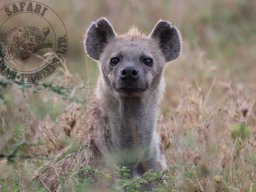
(33, 41)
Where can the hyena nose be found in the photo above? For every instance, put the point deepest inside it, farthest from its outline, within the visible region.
(129, 73)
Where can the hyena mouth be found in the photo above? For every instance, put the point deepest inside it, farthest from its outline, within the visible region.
(131, 89)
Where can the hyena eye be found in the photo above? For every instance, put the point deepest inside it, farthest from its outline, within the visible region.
(148, 62)
(114, 61)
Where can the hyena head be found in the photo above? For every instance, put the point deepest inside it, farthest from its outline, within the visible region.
(132, 64)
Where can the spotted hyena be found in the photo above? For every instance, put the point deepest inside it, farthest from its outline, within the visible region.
(121, 123)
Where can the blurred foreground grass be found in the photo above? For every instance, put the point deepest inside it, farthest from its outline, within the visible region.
(208, 115)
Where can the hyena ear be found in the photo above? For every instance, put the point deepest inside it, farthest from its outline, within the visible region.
(99, 34)
(168, 38)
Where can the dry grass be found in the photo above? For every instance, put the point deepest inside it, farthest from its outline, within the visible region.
(208, 114)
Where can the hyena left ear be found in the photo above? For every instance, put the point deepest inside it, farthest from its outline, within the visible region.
(168, 38)
(99, 34)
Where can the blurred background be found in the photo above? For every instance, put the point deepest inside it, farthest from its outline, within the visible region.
(208, 104)
(223, 31)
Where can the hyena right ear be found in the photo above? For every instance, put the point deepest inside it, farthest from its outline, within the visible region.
(99, 34)
(168, 38)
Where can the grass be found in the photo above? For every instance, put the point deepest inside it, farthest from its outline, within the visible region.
(208, 114)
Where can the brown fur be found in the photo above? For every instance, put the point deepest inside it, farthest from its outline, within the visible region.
(120, 127)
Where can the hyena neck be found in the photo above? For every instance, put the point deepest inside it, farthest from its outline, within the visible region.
(132, 120)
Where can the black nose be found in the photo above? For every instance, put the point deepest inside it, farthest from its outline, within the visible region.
(129, 73)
